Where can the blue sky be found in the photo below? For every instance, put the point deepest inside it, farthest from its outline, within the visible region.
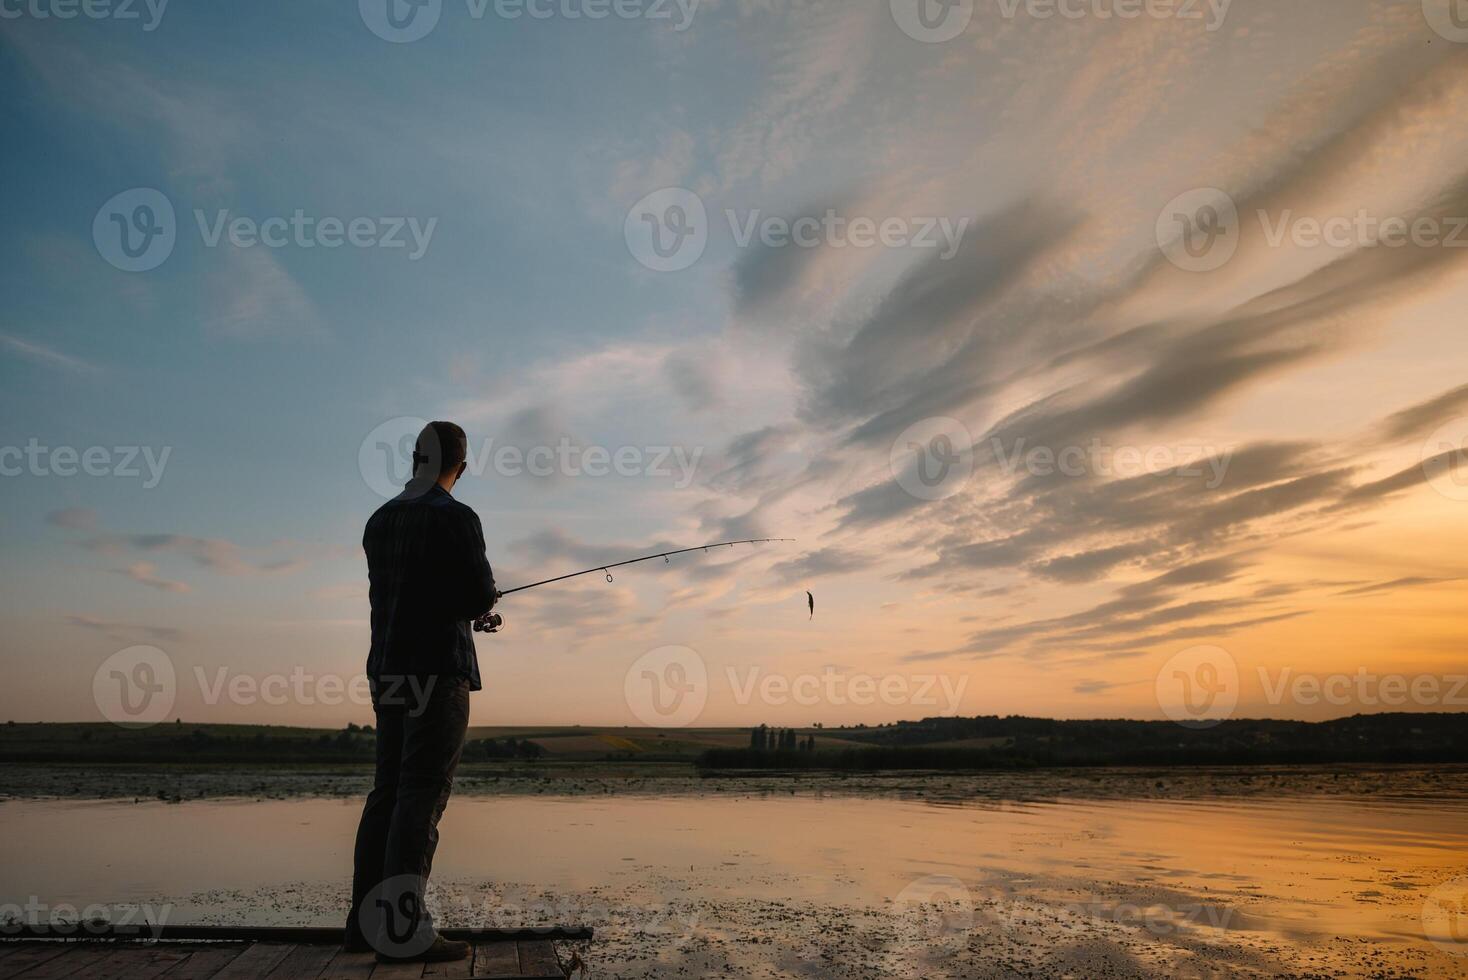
(1054, 143)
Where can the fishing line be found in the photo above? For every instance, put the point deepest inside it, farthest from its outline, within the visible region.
(492, 622)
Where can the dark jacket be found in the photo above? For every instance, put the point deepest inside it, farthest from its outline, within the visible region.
(429, 579)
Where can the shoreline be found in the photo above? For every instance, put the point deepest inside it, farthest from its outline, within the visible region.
(178, 783)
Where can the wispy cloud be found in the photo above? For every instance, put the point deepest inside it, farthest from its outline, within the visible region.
(146, 573)
(73, 518)
(125, 632)
(41, 354)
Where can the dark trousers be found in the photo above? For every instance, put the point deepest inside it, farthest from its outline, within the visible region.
(420, 736)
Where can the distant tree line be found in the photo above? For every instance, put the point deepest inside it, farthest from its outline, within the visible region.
(182, 743)
(1018, 742)
(506, 748)
(766, 739)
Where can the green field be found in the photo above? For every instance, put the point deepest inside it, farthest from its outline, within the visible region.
(933, 743)
(183, 742)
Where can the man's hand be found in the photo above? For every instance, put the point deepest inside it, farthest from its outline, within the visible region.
(488, 622)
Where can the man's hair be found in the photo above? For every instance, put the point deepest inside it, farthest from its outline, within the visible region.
(441, 447)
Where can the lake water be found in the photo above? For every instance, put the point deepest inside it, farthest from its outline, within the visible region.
(1283, 877)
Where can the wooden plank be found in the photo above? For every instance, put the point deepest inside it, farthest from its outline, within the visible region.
(76, 957)
(15, 960)
(299, 935)
(398, 971)
(349, 966)
(203, 964)
(256, 961)
(132, 962)
(453, 970)
(303, 963)
(496, 960)
(538, 959)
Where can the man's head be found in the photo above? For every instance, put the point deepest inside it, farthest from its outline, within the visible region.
(440, 454)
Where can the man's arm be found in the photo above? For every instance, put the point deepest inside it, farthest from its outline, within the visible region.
(475, 583)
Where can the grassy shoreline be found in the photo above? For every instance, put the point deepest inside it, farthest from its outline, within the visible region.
(182, 783)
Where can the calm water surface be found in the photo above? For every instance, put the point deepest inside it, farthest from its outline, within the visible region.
(1351, 867)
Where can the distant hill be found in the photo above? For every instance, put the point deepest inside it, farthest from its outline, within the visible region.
(932, 743)
(185, 743)
(1019, 742)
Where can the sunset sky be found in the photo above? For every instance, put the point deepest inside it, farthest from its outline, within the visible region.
(1263, 433)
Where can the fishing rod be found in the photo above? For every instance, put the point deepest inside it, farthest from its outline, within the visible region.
(491, 622)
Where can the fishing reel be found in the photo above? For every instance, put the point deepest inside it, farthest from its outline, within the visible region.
(489, 623)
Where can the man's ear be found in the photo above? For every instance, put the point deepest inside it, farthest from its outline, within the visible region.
(462, 467)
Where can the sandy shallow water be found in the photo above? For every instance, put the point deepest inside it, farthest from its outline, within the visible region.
(771, 884)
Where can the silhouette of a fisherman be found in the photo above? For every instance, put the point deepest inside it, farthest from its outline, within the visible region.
(429, 580)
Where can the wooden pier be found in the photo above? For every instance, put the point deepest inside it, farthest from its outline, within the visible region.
(275, 954)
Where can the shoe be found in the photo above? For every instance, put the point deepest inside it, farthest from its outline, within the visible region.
(353, 941)
(442, 951)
